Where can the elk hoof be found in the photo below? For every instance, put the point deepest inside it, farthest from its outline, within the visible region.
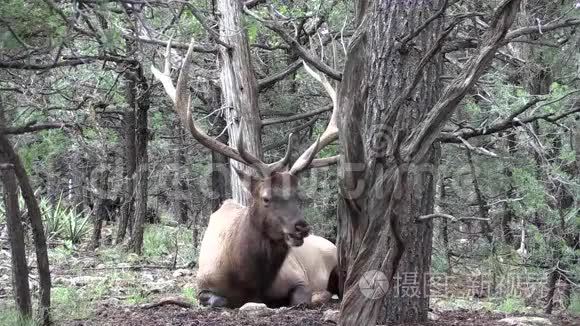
(213, 300)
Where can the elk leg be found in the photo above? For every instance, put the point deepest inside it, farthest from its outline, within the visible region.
(300, 295)
(207, 298)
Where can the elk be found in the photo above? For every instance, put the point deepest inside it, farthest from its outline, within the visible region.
(263, 252)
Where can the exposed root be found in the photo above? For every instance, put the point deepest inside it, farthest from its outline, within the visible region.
(169, 301)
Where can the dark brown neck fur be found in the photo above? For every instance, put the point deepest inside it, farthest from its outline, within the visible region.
(256, 259)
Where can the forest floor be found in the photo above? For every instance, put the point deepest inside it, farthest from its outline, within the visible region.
(112, 287)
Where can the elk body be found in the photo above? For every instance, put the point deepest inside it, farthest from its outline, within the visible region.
(263, 252)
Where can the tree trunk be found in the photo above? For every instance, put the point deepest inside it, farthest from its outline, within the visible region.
(100, 213)
(508, 213)
(142, 136)
(182, 184)
(35, 216)
(239, 90)
(16, 236)
(127, 208)
(391, 110)
(220, 168)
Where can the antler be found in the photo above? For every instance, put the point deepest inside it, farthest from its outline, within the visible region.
(330, 134)
(181, 98)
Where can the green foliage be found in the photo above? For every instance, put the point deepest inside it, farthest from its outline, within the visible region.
(189, 293)
(161, 241)
(63, 222)
(50, 145)
(69, 303)
(574, 306)
(11, 317)
(510, 305)
(27, 18)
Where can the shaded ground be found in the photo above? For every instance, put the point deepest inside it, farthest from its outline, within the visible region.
(175, 316)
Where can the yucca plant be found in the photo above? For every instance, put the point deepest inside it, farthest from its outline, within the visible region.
(76, 226)
(54, 217)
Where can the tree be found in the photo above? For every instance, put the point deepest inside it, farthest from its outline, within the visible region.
(390, 118)
(239, 90)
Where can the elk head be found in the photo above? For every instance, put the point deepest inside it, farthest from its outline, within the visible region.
(275, 193)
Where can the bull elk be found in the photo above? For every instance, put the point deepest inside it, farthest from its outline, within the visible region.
(264, 252)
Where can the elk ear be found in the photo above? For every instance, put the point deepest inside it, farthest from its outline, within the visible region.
(248, 180)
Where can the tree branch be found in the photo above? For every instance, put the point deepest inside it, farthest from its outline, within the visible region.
(32, 127)
(271, 80)
(211, 32)
(428, 130)
(174, 45)
(449, 217)
(416, 32)
(300, 50)
(545, 28)
(510, 122)
(295, 117)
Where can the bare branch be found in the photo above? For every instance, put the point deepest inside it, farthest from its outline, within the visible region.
(426, 23)
(452, 218)
(295, 117)
(480, 150)
(428, 130)
(300, 50)
(511, 122)
(271, 80)
(211, 32)
(545, 28)
(174, 45)
(32, 127)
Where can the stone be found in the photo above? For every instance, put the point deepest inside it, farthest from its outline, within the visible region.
(182, 272)
(526, 321)
(82, 280)
(432, 316)
(160, 286)
(257, 309)
(331, 316)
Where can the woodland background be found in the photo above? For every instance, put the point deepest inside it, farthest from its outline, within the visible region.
(125, 192)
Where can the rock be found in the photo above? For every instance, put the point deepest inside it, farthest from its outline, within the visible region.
(257, 309)
(182, 272)
(432, 316)
(526, 321)
(123, 265)
(146, 276)
(331, 316)
(226, 314)
(82, 280)
(160, 286)
(112, 302)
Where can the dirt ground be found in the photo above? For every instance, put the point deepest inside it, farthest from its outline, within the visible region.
(176, 316)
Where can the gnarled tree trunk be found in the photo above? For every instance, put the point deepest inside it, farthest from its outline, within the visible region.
(239, 89)
(391, 109)
(130, 162)
(142, 169)
(21, 288)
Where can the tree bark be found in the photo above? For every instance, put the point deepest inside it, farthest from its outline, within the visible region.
(101, 210)
(508, 213)
(20, 284)
(220, 168)
(35, 216)
(239, 90)
(127, 208)
(391, 110)
(142, 176)
(182, 184)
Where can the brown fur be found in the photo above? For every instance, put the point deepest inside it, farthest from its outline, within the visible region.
(245, 258)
